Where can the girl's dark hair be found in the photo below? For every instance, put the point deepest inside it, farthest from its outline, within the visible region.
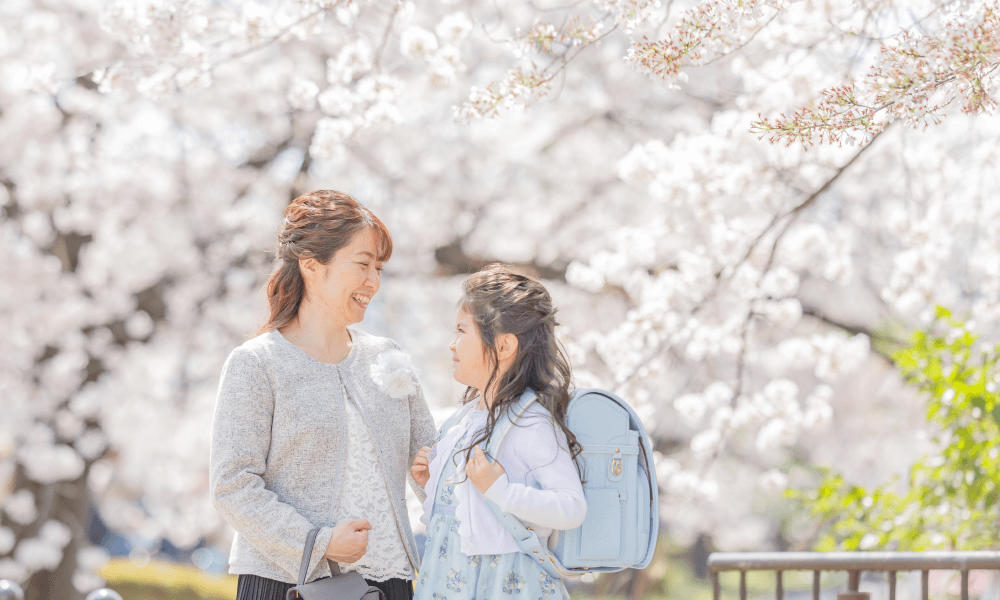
(316, 225)
(501, 301)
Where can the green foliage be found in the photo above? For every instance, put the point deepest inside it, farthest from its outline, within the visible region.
(950, 498)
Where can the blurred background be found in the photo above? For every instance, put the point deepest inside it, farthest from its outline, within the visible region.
(749, 298)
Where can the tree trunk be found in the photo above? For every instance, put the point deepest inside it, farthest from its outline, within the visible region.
(66, 502)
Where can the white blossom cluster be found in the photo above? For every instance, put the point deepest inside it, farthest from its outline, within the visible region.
(632, 13)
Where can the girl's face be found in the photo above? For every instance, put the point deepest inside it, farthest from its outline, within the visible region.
(468, 355)
(346, 284)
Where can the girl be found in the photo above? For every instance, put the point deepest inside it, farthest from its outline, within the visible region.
(317, 421)
(504, 346)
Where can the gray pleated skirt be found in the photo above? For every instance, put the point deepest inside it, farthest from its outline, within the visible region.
(254, 587)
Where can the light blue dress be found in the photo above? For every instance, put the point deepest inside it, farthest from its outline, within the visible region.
(447, 573)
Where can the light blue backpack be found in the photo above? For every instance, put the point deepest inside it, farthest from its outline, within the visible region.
(619, 482)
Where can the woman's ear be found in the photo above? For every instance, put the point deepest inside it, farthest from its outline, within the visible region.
(506, 346)
(309, 267)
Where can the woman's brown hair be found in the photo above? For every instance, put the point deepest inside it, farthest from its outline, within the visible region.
(316, 225)
(501, 301)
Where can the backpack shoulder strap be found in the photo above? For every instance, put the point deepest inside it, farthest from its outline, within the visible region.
(526, 539)
(507, 418)
(528, 543)
(453, 420)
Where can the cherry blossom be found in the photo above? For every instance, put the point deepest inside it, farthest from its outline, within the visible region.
(739, 294)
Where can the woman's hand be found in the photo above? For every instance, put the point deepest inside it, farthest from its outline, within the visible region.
(481, 472)
(349, 541)
(420, 469)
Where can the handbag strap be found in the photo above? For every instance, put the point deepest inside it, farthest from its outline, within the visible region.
(307, 554)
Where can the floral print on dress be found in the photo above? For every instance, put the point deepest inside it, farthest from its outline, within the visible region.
(547, 584)
(443, 550)
(447, 497)
(512, 584)
(456, 581)
(448, 574)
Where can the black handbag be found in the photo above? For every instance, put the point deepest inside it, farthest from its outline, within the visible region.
(339, 586)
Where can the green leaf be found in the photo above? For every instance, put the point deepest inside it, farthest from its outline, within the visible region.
(942, 363)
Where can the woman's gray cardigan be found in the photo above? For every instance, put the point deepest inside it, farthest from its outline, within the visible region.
(278, 442)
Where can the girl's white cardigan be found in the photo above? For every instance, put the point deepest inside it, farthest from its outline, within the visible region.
(541, 485)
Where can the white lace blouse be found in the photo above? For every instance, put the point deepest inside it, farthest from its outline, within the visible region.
(363, 496)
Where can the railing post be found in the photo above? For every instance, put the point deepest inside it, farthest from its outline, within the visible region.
(853, 583)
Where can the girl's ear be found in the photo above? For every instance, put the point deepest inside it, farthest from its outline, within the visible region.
(506, 346)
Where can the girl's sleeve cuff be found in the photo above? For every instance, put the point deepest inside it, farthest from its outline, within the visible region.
(498, 491)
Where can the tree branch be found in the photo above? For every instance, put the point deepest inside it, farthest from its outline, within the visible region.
(855, 329)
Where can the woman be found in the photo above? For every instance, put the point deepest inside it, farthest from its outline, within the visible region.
(317, 422)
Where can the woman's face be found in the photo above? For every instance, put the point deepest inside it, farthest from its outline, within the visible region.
(345, 285)
(468, 356)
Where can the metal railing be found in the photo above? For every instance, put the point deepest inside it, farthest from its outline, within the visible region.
(853, 563)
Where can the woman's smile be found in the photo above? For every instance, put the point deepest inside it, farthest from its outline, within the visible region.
(361, 299)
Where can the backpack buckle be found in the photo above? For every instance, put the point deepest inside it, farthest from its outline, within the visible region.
(616, 466)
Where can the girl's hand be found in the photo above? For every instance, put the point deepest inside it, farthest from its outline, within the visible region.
(349, 541)
(420, 470)
(481, 472)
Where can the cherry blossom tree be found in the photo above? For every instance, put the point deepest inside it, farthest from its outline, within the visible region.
(737, 204)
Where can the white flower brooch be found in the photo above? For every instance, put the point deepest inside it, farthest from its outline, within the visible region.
(392, 372)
